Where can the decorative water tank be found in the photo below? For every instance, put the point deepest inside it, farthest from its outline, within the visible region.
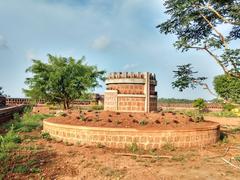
(130, 92)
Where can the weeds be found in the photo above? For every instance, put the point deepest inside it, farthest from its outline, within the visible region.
(235, 130)
(168, 147)
(20, 169)
(11, 139)
(46, 135)
(143, 122)
(133, 147)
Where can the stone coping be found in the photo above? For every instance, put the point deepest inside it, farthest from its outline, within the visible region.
(129, 81)
(210, 127)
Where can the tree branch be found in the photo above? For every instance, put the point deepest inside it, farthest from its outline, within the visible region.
(209, 7)
(217, 32)
(217, 60)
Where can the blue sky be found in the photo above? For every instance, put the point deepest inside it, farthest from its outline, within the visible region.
(115, 35)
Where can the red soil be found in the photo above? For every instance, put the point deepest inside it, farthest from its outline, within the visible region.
(161, 120)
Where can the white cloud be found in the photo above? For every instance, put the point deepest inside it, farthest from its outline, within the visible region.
(30, 54)
(130, 66)
(101, 42)
(3, 43)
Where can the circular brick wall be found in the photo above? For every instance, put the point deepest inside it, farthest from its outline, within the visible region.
(123, 137)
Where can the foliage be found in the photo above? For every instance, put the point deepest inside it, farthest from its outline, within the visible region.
(11, 139)
(200, 105)
(133, 147)
(228, 87)
(196, 25)
(143, 122)
(173, 100)
(185, 78)
(228, 107)
(61, 80)
(46, 136)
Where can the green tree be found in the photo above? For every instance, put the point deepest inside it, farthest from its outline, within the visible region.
(197, 26)
(61, 80)
(227, 87)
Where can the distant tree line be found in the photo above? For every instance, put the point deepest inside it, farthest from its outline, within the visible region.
(174, 100)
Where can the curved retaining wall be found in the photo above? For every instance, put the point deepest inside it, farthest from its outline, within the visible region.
(122, 137)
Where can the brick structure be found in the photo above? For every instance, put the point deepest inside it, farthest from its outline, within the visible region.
(131, 92)
(124, 137)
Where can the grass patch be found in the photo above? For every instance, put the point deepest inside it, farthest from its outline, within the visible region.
(9, 142)
(20, 169)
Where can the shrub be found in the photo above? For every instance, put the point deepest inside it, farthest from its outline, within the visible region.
(200, 105)
(228, 107)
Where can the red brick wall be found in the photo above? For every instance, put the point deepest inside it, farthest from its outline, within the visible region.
(122, 137)
(131, 103)
(127, 88)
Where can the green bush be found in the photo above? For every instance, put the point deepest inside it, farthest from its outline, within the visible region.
(11, 136)
(228, 107)
(200, 104)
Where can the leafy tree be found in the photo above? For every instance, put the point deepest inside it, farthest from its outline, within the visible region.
(227, 87)
(61, 80)
(197, 25)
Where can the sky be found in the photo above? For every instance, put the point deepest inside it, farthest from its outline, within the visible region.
(115, 35)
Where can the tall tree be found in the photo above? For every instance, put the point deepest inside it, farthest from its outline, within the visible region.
(198, 25)
(61, 80)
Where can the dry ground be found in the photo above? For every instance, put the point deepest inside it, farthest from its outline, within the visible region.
(56, 160)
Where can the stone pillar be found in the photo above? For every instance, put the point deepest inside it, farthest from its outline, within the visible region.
(147, 91)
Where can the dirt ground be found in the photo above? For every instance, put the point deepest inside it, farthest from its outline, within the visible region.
(158, 120)
(57, 160)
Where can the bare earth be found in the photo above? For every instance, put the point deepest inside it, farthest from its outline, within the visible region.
(161, 120)
(57, 160)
